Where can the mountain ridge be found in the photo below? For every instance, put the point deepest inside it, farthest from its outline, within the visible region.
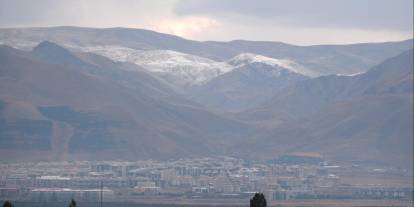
(86, 106)
(361, 117)
(103, 118)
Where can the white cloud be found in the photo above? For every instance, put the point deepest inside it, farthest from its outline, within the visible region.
(190, 27)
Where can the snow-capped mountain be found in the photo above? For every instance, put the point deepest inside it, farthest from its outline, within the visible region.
(181, 68)
(245, 86)
(322, 59)
(85, 106)
(250, 58)
(184, 69)
(20, 44)
(233, 85)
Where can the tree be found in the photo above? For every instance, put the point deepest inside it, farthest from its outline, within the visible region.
(258, 200)
(7, 204)
(72, 203)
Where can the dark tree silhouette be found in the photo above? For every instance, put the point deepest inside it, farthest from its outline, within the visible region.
(72, 203)
(7, 204)
(258, 200)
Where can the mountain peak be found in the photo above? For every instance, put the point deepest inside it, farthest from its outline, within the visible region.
(48, 45)
(243, 59)
(248, 58)
(55, 53)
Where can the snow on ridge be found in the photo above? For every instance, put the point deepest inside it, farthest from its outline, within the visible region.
(351, 74)
(19, 44)
(113, 52)
(190, 69)
(249, 58)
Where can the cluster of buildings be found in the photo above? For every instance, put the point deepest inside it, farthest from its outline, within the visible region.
(288, 177)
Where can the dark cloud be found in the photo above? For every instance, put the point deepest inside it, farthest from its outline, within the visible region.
(362, 14)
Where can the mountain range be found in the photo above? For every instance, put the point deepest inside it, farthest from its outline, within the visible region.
(83, 93)
(344, 115)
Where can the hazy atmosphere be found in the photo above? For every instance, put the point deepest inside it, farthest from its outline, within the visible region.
(206, 103)
(298, 21)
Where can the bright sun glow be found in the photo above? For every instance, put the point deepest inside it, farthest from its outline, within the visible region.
(185, 26)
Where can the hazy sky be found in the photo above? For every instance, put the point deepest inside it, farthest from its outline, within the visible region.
(301, 22)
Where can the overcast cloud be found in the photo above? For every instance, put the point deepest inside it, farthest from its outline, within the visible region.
(295, 21)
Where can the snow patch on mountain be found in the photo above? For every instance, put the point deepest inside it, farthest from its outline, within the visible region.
(353, 74)
(182, 68)
(250, 58)
(185, 69)
(190, 69)
(19, 44)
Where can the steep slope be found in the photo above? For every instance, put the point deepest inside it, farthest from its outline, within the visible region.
(373, 129)
(249, 84)
(47, 107)
(367, 117)
(241, 82)
(53, 53)
(393, 76)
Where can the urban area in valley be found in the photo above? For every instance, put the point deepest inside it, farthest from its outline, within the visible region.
(289, 177)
